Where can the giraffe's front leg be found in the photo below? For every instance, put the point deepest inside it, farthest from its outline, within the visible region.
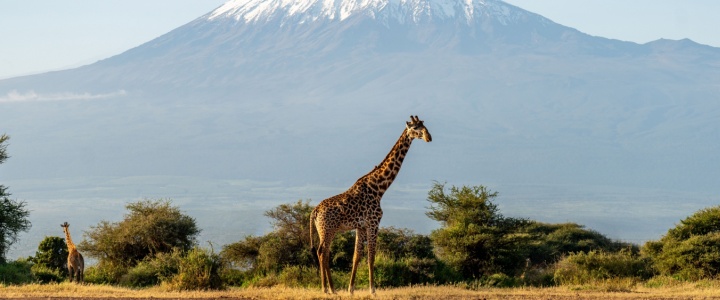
(371, 243)
(359, 241)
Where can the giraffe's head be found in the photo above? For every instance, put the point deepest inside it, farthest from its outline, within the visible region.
(65, 225)
(416, 130)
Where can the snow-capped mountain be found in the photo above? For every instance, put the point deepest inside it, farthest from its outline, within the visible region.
(501, 72)
(295, 12)
(309, 95)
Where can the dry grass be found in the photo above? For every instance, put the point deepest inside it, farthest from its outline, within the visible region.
(67, 290)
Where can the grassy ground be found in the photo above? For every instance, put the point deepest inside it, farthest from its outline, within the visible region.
(68, 290)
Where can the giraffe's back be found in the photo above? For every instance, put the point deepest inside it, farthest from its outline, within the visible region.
(348, 211)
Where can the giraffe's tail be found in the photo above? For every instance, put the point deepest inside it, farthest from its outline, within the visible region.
(313, 215)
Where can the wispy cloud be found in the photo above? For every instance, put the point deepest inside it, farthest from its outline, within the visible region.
(31, 96)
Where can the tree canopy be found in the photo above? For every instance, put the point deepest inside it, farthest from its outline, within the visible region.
(13, 214)
(150, 227)
(478, 241)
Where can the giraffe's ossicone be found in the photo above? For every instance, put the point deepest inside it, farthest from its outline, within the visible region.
(358, 209)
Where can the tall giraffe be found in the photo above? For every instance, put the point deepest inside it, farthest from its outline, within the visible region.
(358, 208)
(75, 261)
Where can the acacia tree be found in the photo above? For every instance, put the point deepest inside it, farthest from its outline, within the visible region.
(477, 240)
(13, 214)
(286, 245)
(474, 238)
(150, 227)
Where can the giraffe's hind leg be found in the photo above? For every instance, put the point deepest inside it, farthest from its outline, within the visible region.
(326, 266)
(323, 253)
(359, 241)
(321, 263)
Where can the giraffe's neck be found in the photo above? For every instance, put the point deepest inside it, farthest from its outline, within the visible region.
(68, 240)
(380, 178)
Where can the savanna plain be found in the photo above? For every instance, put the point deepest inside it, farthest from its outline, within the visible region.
(696, 290)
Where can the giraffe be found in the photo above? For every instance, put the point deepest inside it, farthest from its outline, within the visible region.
(358, 208)
(75, 261)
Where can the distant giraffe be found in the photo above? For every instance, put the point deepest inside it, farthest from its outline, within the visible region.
(525, 270)
(358, 208)
(75, 261)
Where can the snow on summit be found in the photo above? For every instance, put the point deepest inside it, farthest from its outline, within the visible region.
(402, 11)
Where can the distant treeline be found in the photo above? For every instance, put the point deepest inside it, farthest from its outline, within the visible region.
(476, 246)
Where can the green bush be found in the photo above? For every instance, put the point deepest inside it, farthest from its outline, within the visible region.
(299, 276)
(599, 266)
(286, 245)
(142, 275)
(396, 272)
(538, 275)
(104, 273)
(403, 242)
(51, 258)
(389, 272)
(500, 280)
(497, 280)
(44, 274)
(234, 277)
(199, 270)
(691, 250)
(263, 281)
(16, 272)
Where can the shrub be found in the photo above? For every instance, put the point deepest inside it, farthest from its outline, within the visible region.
(299, 276)
(691, 250)
(599, 266)
(286, 245)
(389, 272)
(403, 242)
(538, 275)
(49, 262)
(52, 252)
(396, 272)
(16, 272)
(199, 269)
(44, 274)
(500, 280)
(234, 277)
(104, 273)
(497, 280)
(142, 275)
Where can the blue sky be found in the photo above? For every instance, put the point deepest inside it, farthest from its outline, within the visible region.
(44, 35)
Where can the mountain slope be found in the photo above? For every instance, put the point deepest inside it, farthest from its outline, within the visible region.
(314, 94)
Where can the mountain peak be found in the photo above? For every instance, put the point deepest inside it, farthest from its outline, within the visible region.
(401, 11)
